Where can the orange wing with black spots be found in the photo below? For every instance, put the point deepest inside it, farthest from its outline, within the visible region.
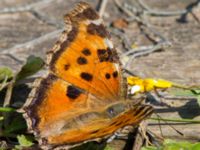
(80, 99)
(85, 55)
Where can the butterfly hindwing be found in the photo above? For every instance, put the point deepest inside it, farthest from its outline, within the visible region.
(61, 113)
(102, 127)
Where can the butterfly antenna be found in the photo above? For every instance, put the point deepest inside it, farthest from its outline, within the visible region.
(177, 131)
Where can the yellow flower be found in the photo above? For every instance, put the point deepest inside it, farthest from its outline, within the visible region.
(144, 85)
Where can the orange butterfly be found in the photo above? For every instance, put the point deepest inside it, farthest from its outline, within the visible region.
(82, 98)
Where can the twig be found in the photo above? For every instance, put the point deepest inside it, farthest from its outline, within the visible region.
(140, 136)
(129, 72)
(195, 17)
(24, 81)
(46, 19)
(24, 8)
(125, 40)
(189, 8)
(126, 11)
(4, 83)
(16, 59)
(27, 80)
(138, 53)
(150, 11)
(141, 49)
(161, 38)
(144, 49)
(8, 94)
(132, 15)
(139, 19)
(31, 9)
(31, 43)
(164, 120)
(154, 135)
(102, 7)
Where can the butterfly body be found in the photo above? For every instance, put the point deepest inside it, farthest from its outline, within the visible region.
(82, 98)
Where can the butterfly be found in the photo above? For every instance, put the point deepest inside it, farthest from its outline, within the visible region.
(82, 98)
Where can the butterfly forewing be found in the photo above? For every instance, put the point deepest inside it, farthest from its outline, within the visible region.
(86, 57)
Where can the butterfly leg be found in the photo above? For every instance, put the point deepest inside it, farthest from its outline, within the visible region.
(122, 134)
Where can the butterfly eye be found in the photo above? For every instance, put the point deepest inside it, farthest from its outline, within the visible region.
(110, 111)
(114, 110)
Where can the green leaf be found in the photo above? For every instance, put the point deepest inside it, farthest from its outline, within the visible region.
(169, 144)
(33, 65)
(24, 141)
(196, 91)
(18, 123)
(108, 148)
(5, 72)
(150, 148)
(174, 145)
(6, 109)
(196, 146)
(183, 145)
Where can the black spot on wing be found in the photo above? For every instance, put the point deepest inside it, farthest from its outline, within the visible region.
(112, 55)
(102, 55)
(81, 60)
(73, 92)
(115, 74)
(108, 55)
(107, 75)
(86, 76)
(66, 66)
(86, 52)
